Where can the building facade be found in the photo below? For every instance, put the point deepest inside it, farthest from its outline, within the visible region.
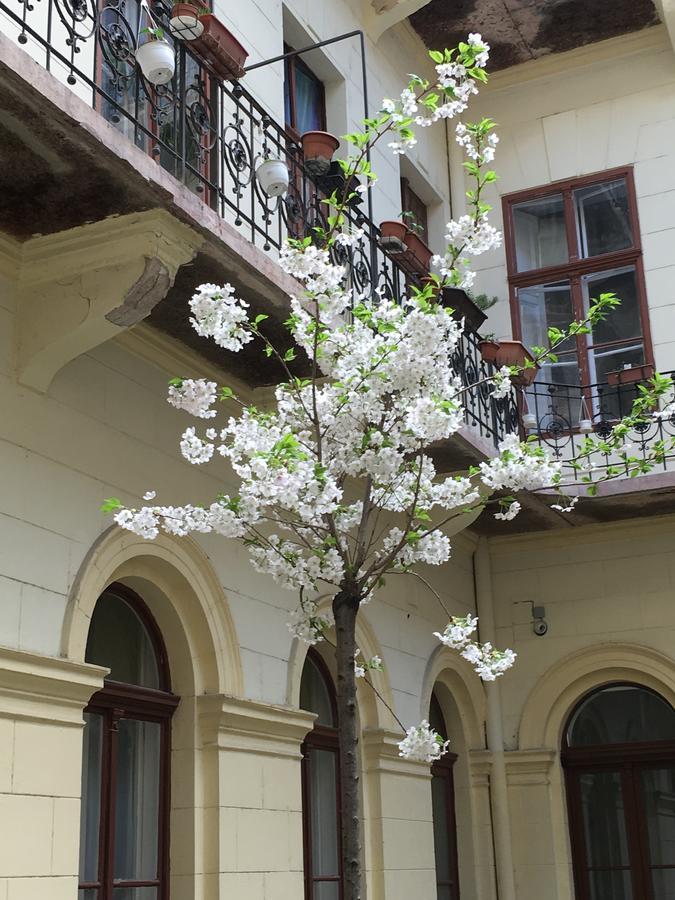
(162, 735)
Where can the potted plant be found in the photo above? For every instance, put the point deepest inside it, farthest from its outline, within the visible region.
(393, 235)
(220, 49)
(155, 57)
(417, 249)
(631, 374)
(185, 22)
(273, 178)
(318, 148)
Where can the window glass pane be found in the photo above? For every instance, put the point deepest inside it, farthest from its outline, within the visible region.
(603, 218)
(623, 321)
(90, 816)
(545, 306)
(439, 801)
(622, 714)
(308, 101)
(326, 890)
(135, 893)
(436, 719)
(119, 640)
(315, 694)
(539, 227)
(664, 884)
(88, 894)
(137, 801)
(323, 812)
(658, 790)
(611, 885)
(604, 820)
(555, 397)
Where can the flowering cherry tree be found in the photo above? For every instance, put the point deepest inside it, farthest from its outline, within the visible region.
(337, 488)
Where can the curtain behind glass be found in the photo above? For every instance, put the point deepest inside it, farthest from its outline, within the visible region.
(324, 814)
(137, 802)
(91, 799)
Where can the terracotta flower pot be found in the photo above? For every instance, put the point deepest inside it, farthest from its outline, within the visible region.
(633, 375)
(488, 350)
(218, 47)
(184, 23)
(319, 146)
(463, 308)
(395, 230)
(514, 353)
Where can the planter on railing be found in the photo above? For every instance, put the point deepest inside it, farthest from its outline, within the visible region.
(510, 353)
(631, 374)
(318, 148)
(218, 47)
(156, 60)
(406, 247)
(463, 308)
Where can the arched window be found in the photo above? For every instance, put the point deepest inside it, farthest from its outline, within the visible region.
(443, 805)
(619, 758)
(124, 831)
(321, 784)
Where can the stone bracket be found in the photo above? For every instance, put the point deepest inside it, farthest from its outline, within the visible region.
(87, 285)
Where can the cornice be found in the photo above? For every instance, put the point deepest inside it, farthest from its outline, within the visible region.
(233, 723)
(37, 687)
(10, 257)
(530, 766)
(381, 754)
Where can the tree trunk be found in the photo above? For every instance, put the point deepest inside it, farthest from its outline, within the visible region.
(345, 609)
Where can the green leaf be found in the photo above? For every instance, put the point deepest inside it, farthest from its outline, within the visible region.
(437, 56)
(111, 505)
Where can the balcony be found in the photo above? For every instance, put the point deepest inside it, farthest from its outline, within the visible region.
(206, 133)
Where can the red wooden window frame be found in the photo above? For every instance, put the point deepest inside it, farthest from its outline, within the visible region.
(443, 769)
(118, 701)
(576, 266)
(290, 66)
(321, 737)
(413, 203)
(628, 761)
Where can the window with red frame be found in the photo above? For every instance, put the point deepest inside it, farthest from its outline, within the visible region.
(566, 244)
(304, 97)
(124, 826)
(321, 784)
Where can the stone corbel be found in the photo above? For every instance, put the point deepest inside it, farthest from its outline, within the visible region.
(381, 754)
(84, 286)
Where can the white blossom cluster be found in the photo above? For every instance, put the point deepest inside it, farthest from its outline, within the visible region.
(502, 383)
(485, 153)
(195, 396)
(520, 466)
(308, 625)
(366, 665)
(217, 314)
(487, 662)
(423, 744)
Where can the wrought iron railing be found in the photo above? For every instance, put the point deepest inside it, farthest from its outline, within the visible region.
(562, 416)
(212, 135)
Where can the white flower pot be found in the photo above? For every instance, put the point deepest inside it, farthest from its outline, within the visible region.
(529, 421)
(585, 426)
(156, 61)
(186, 28)
(272, 177)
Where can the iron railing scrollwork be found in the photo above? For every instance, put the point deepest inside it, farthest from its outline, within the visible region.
(212, 135)
(563, 416)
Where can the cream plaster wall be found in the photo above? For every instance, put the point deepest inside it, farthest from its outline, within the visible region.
(606, 105)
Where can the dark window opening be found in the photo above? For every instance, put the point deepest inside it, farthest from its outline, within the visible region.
(304, 97)
(124, 830)
(443, 808)
(619, 759)
(321, 785)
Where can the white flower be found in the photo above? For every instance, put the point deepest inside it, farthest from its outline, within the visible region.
(502, 383)
(149, 495)
(219, 315)
(458, 632)
(423, 744)
(307, 625)
(510, 512)
(488, 662)
(194, 449)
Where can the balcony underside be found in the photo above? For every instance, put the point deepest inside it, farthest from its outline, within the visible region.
(617, 500)
(520, 30)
